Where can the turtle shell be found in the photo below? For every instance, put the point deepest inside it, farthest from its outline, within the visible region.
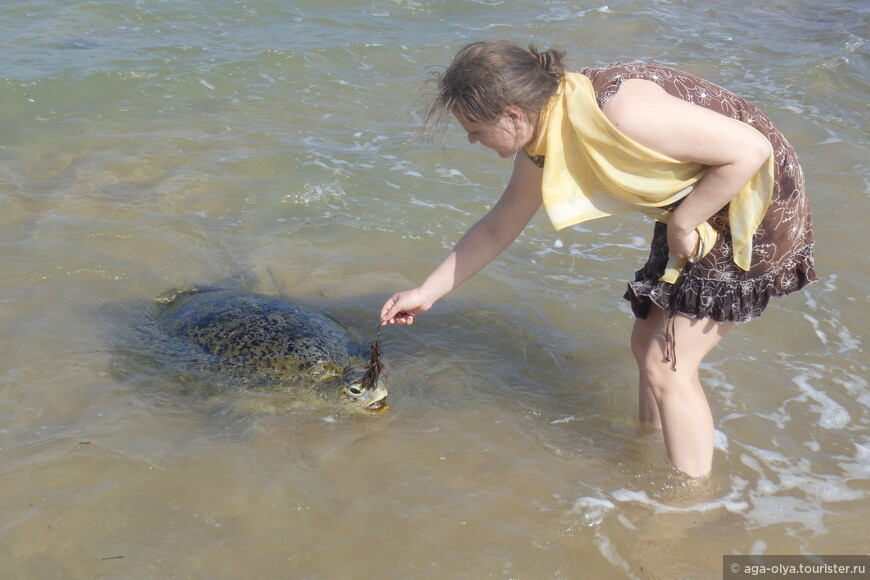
(259, 332)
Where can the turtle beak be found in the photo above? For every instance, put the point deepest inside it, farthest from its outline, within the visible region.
(373, 399)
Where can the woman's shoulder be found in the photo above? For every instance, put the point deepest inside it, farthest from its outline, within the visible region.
(606, 80)
(619, 71)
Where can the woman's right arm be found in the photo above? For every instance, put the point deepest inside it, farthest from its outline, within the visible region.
(478, 247)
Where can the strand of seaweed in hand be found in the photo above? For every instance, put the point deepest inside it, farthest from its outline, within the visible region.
(375, 367)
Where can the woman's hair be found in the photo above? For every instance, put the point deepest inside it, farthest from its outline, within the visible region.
(487, 77)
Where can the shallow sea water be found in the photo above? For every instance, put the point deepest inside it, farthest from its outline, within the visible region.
(150, 145)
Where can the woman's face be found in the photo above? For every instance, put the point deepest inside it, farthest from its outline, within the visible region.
(506, 135)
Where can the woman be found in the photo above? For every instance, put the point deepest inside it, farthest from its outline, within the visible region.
(733, 227)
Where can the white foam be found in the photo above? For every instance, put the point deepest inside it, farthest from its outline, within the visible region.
(815, 324)
(859, 467)
(854, 384)
(422, 203)
(822, 487)
(607, 549)
(720, 440)
(567, 419)
(758, 547)
(557, 13)
(832, 415)
(830, 284)
(449, 172)
(591, 509)
(794, 494)
(730, 503)
(779, 417)
(847, 340)
(316, 193)
(625, 521)
(768, 509)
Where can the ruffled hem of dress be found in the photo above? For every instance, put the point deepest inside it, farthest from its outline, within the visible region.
(720, 300)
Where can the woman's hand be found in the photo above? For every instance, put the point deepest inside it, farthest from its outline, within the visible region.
(682, 244)
(402, 306)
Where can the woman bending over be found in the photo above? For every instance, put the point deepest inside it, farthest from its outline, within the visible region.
(732, 224)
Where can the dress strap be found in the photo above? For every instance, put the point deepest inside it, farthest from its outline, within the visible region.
(670, 319)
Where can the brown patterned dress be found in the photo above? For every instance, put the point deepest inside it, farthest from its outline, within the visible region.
(782, 247)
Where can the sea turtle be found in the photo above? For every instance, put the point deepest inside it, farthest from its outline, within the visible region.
(269, 343)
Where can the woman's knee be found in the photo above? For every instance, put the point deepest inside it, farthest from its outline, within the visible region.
(657, 369)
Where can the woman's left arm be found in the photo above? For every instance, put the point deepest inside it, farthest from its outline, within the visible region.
(684, 131)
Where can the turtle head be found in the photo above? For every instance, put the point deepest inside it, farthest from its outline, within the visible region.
(373, 399)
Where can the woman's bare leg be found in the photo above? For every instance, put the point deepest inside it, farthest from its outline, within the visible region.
(641, 335)
(683, 412)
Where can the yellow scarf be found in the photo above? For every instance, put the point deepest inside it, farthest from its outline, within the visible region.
(593, 170)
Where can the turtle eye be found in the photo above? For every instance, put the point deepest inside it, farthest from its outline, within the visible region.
(354, 391)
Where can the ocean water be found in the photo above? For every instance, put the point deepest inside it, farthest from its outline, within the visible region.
(153, 144)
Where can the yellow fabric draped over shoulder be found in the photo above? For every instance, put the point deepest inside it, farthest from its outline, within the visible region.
(593, 170)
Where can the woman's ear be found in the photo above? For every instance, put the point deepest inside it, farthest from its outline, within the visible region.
(522, 123)
(514, 113)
